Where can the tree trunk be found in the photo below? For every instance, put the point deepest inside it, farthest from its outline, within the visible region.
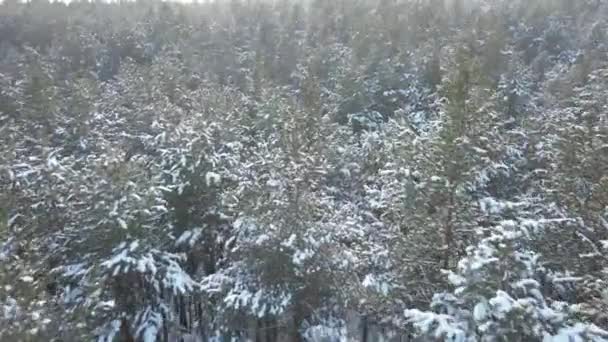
(448, 235)
(125, 333)
(364, 332)
(295, 333)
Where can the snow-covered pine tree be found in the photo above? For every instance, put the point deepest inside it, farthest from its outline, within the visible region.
(498, 291)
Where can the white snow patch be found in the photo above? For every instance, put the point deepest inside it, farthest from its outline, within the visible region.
(27, 279)
(212, 179)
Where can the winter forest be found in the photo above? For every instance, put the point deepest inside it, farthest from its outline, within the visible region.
(304, 170)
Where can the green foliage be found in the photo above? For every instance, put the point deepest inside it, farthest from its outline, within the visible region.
(268, 169)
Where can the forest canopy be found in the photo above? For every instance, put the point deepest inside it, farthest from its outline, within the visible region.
(344, 170)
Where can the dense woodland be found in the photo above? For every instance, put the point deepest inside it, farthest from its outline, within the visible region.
(304, 170)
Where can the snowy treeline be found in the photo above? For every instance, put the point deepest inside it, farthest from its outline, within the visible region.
(345, 170)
